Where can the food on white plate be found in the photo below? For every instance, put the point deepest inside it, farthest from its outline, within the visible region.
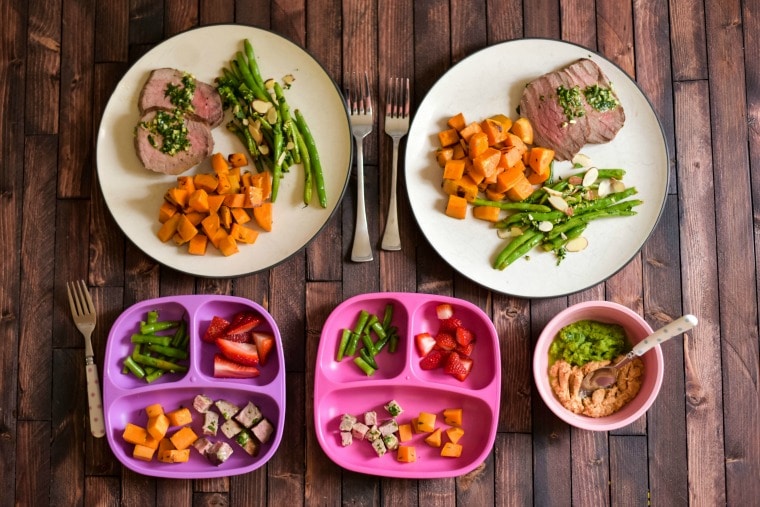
(572, 107)
(177, 114)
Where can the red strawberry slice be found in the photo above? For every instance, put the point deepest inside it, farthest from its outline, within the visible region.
(215, 329)
(454, 364)
(444, 311)
(424, 343)
(465, 350)
(433, 359)
(239, 337)
(451, 324)
(243, 322)
(264, 343)
(464, 336)
(241, 353)
(466, 363)
(224, 368)
(445, 341)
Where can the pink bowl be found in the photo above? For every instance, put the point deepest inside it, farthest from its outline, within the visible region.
(636, 328)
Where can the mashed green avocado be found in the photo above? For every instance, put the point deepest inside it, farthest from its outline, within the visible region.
(588, 340)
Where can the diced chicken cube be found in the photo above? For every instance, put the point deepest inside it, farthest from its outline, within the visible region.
(391, 442)
(230, 428)
(394, 408)
(210, 423)
(347, 422)
(227, 409)
(359, 430)
(249, 416)
(248, 443)
(373, 433)
(202, 445)
(219, 452)
(346, 438)
(379, 447)
(370, 418)
(263, 431)
(388, 427)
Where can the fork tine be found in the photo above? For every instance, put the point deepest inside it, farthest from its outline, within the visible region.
(72, 300)
(87, 298)
(367, 96)
(405, 113)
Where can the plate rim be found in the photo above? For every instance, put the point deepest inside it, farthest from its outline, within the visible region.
(339, 196)
(667, 153)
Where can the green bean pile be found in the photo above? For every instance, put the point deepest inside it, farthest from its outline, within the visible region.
(159, 348)
(273, 137)
(565, 225)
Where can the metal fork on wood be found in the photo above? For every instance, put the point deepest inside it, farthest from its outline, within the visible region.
(83, 312)
(359, 102)
(396, 126)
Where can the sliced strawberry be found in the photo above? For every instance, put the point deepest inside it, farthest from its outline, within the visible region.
(464, 336)
(453, 365)
(445, 341)
(264, 343)
(224, 368)
(451, 324)
(434, 359)
(466, 364)
(215, 329)
(242, 353)
(444, 311)
(245, 337)
(465, 350)
(243, 322)
(424, 343)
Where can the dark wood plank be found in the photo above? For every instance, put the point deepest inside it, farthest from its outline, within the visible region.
(216, 11)
(590, 468)
(146, 19)
(687, 40)
(505, 20)
(33, 442)
(700, 278)
(112, 31)
(511, 316)
(180, 16)
(468, 28)
(542, 19)
(103, 491)
(628, 458)
(286, 470)
(253, 12)
(43, 68)
(579, 24)
(737, 275)
(513, 483)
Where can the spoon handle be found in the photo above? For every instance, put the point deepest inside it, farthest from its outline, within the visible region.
(666, 332)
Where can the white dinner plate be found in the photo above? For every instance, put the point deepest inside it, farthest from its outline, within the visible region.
(134, 194)
(491, 82)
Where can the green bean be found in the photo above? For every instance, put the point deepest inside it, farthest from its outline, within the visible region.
(248, 79)
(387, 316)
(361, 321)
(316, 164)
(368, 344)
(352, 343)
(132, 366)
(344, 338)
(154, 375)
(367, 356)
(308, 183)
(393, 341)
(278, 159)
(151, 338)
(171, 352)
(163, 364)
(508, 205)
(154, 327)
(253, 66)
(364, 366)
(521, 250)
(377, 327)
(152, 316)
(514, 244)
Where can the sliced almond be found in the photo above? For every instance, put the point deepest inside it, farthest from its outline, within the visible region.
(576, 244)
(545, 226)
(582, 160)
(551, 191)
(255, 132)
(590, 177)
(288, 79)
(272, 115)
(605, 188)
(558, 202)
(617, 185)
(269, 84)
(264, 149)
(261, 106)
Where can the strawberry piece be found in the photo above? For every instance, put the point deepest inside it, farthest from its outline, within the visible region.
(451, 325)
(444, 311)
(465, 350)
(464, 336)
(466, 363)
(239, 337)
(224, 368)
(215, 329)
(445, 341)
(433, 359)
(243, 322)
(424, 343)
(453, 365)
(241, 353)
(264, 343)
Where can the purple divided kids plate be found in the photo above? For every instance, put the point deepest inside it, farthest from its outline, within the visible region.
(126, 396)
(341, 387)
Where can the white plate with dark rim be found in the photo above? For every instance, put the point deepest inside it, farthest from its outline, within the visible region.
(490, 82)
(133, 194)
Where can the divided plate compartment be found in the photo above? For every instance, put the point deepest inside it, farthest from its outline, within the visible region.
(125, 396)
(341, 387)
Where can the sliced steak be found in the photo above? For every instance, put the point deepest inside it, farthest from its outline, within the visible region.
(150, 154)
(540, 103)
(207, 104)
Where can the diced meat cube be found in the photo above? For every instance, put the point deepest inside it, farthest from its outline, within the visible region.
(227, 409)
(202, 403)
(219, 452)
(347, 422)
(388, 427)
(391, 442)
(379, 447)
(263, 431)
(346, 438)
(248, 443)
(370, 418)
(373, 433)
(202, 445)
(249, 416)
(210, 423)
(394, 408)
(230, 428)
(359, 430)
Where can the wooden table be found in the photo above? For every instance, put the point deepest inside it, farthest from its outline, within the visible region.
(699, 443)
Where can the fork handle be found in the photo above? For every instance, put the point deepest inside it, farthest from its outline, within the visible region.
(391, 237)
(362, 250)
(94, 399)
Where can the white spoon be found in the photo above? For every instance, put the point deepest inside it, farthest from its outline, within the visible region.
(606, 376)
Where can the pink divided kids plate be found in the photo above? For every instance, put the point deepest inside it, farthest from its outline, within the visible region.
(125, 396)
(341, 387)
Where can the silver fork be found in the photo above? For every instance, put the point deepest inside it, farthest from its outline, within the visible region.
(83, 312)
(396, 126)
(359, 102)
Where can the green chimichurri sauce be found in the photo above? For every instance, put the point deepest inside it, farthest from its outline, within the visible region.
(588, 340)
(601, 99)
(181, 96)
(171, 127)
(570, 101)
